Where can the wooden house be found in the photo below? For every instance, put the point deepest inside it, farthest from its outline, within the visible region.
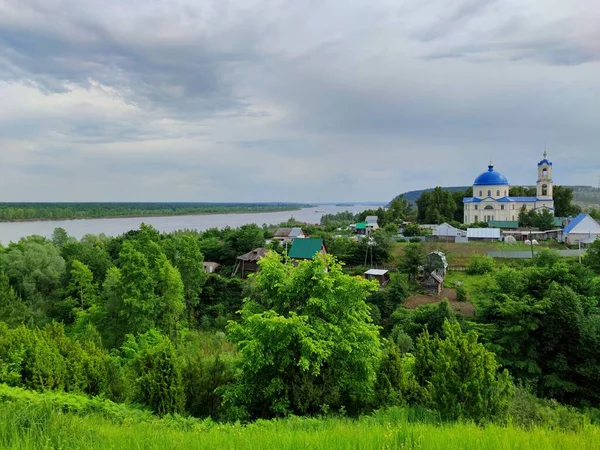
(285, 235)
(248, 263)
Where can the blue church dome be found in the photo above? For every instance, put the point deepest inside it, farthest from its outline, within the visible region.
(490, 178)
(545, 160)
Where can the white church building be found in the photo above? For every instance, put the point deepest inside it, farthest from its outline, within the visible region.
(491, 200)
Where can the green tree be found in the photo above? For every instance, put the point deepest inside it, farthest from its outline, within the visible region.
(156, 371)
(12, 309)
(436, 206)
(414, 257)
(306, 340)
(459, 377)
(544, 220)
(412, 229)
(563, 202)
(592, 257)
(520, 191)
(398, 210)
(82, 286)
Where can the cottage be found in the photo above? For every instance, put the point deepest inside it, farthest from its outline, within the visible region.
(285, 235)
(582, 227)
(248, 263)
(372, 220)
(380, 275)
(307, 248)
(364, 228)
(210, 267)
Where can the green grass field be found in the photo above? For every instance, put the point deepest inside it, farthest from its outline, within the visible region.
(29, 420)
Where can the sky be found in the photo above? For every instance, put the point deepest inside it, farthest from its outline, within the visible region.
(292, 100)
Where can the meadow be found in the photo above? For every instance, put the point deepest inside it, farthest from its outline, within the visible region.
(44, 424)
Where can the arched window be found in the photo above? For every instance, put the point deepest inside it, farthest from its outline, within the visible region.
(545, 189)
(505, 193)
(498, 193)
(544, 173)
(480, 192)
(489, 193)
(489, 207)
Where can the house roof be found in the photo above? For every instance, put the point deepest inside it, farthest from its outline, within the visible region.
(253, 255)
(485, 233)
(503, 224)
(371, 219)
(378, 272)
(442, 257)
(585, 223)
(305, 248)
(361, 225)
(437, 277)
(448, 230)
(502, 200)
(282, 232)
(296, 231)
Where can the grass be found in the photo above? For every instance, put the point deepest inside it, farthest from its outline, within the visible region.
(41, 424)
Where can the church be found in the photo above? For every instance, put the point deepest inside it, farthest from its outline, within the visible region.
(491, 200)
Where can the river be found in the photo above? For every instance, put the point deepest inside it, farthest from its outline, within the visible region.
(13, 231)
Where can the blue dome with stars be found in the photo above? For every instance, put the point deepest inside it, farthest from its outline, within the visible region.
(490, 178)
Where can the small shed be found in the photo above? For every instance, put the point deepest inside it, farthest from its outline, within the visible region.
(210, 267)
(484, 234)
(504, 224)
(284, 235)
(248, 263)
(380, 275)
(433, 283)
(307, 248)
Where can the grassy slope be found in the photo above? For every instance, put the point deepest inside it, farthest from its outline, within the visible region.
(62, 421)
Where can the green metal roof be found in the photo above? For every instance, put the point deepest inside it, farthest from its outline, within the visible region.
(361, 225)
(558, 221)
(305, 248)
(503, 224)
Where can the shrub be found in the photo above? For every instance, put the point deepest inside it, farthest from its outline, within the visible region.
(461, 293)
(415, 240)
(480, 264)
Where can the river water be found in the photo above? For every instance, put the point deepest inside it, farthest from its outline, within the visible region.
(13, 231)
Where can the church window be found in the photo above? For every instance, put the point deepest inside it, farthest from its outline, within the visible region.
(489, 207)
(502, 207)
(505, 193)
(489, 193)
(498, 193)
(475, 207)
(480, 192)
(545, 189)
(545, 173)
(476, 218)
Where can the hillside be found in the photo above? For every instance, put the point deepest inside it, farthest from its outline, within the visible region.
(586, 196)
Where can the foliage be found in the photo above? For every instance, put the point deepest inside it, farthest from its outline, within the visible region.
(563, 202)
(544, 219)
(461, 293)
(460, 377)
(436, 206)
(411, 229)
(305, 339)
(414, 257)
(592, 257)
(480, 264)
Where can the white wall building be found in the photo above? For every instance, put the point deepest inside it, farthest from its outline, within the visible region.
(491, 200)
(582, 228)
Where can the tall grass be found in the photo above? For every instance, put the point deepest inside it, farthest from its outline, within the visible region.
(44, 425)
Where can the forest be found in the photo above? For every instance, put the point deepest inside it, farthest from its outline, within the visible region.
(54, 211)
(130, 329)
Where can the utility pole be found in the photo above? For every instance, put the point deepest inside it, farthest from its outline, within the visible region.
(531, 243)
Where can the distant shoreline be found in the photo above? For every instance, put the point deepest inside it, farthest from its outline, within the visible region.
(134, 216)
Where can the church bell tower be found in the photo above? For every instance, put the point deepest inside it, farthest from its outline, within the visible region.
(544, 182)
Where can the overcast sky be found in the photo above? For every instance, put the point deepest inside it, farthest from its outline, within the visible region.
(299, 100)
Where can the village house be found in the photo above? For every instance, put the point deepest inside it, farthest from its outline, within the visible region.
(248, 262)
(491, 200)
(380, 275)
(448, 233)
(581, 228)
(286, 235)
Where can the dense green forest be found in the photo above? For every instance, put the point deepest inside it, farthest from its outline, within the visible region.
(134, 321)
(55, 211)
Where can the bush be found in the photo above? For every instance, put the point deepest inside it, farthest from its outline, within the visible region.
(415, 240)
(461, 293)
(480, 265)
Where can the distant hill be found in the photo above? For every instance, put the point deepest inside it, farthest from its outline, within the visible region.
(586, 196)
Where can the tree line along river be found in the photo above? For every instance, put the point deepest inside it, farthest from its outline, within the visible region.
(13, 231)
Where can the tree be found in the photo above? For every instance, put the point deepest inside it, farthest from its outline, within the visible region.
(520, 191)
(60, 237)
(544, 220)
(306, 341)
(82, 286)
(526, 217)
(156, 370)
(436, 206)
(12, 309)
(592, 258)
(412, 229)
(563, 202)
(459, 377)
(414, 257)
(398, 210)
